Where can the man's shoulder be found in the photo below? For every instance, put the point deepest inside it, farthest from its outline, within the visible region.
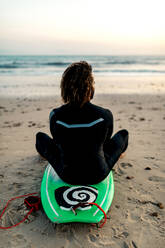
(55, 111)
(101, 110)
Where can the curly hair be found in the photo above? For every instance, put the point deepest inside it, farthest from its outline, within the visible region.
(77, 83)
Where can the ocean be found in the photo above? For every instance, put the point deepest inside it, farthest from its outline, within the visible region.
(40, 75)
(102, 65)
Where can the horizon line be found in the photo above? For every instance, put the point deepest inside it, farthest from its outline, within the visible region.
(8, 54)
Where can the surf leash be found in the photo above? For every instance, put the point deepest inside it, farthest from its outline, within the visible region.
(32, 202)
(91, 203)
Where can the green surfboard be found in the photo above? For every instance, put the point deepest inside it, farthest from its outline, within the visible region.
(58, 198)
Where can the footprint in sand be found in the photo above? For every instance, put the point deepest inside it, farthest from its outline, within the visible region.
(17, 124)
(92, 238)
(131, 244)
(149, 157)
(1, 178)
(125, 245)
(15, 186)
(10, 217)
(40, 125)
(119, 169)
(134, 216)
(126, 165)
(156, 179)
(18, 240)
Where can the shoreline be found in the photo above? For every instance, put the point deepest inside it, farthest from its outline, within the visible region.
(39, 86)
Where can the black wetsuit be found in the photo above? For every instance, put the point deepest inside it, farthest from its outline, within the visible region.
(82, 150)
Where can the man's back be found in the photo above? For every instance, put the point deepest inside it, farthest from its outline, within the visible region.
(79, 134)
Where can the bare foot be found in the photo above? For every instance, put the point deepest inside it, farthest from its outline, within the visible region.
(122, 155)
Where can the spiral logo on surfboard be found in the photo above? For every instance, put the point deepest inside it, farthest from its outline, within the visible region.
(68, 197)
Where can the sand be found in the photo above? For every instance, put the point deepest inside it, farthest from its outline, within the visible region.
(136, 218)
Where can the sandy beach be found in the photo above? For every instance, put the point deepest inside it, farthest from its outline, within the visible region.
(124, 42)
(136, 218)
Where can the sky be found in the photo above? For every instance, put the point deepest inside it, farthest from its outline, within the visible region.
(112, 27)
